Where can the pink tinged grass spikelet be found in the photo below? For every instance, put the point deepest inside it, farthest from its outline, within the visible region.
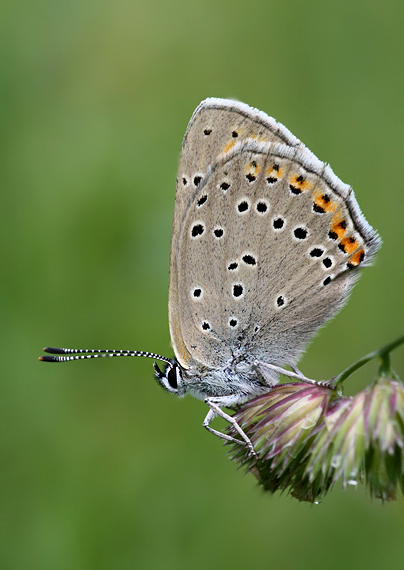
(307, 437)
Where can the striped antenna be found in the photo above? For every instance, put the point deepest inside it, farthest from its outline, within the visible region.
(81, 354)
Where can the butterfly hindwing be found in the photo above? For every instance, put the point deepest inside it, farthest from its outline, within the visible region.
(259, 266)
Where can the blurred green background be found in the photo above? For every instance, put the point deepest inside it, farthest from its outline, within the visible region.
(99, 467)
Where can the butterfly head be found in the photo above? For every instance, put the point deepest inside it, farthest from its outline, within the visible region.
(170, 378)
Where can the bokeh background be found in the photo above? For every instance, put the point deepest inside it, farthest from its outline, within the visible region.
(99, 467)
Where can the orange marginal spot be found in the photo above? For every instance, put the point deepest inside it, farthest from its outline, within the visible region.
(300, 182)
(229, 146)
(273, 171)
(357, 258)
(323, 200)
(338, 225)
(254, 166)
(349, 244)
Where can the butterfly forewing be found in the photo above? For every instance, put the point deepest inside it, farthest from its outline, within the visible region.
(216, 126)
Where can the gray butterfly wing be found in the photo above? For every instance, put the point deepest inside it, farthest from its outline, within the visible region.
(216, 126)
(269, 246)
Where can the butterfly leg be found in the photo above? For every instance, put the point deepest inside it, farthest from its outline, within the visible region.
(298, 371)
(216, 410)
(262, 366)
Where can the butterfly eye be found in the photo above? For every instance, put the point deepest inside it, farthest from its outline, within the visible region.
(172, 378)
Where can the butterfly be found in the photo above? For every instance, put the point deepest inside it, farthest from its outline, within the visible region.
(266, 246)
